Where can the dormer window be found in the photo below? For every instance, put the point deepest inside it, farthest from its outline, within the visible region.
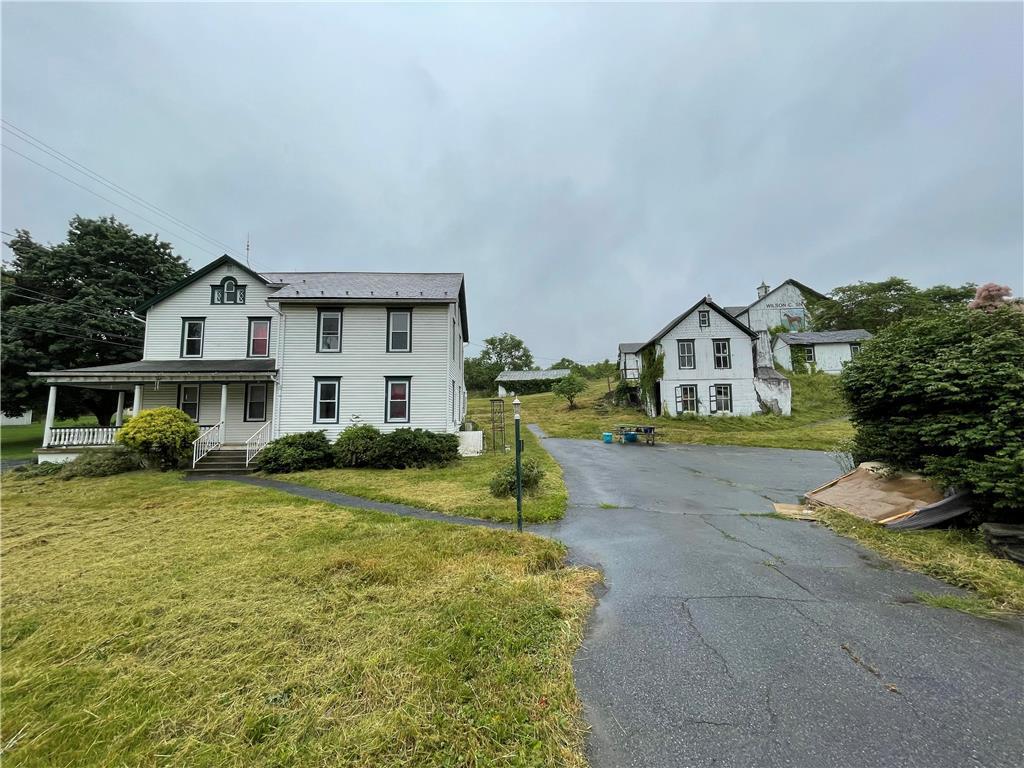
(228, 291)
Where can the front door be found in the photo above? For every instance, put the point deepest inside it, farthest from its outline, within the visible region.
(657, 398)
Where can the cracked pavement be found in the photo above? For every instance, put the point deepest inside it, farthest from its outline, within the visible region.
(731, 639)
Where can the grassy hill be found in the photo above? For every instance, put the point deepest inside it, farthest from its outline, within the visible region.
(818, 422)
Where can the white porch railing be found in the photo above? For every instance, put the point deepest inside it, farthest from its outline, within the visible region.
(207, 441)
(65, 436)
(257, 442)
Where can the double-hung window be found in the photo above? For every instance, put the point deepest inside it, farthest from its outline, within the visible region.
(396, 406)
(809, 353)
(687, 359)
(259, 337)
(255, 401)
(192, 336)
(188, 400)
(399, 330)
(328, 330)
(722, 357)
(721, 397)
(854, 350)
(327, 392)
(686, 398)
(704, 318)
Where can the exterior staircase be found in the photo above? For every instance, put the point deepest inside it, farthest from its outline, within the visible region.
(226, 460)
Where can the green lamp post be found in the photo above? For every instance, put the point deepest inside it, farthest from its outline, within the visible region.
(519, 468)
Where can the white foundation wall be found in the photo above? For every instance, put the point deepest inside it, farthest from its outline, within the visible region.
(238, 430)
(362, 367)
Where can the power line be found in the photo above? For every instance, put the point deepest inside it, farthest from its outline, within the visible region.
(55, 153)
(107, 199)
(102, 316)
(55, 323)
(73, 336)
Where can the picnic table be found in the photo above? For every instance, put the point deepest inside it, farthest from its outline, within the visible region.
(645, 431)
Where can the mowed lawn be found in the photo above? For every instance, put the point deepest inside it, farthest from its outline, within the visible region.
(19, 441)
(152, 621)
(818, 422)
(463, 488)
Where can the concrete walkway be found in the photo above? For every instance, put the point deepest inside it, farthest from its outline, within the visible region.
(733, 640)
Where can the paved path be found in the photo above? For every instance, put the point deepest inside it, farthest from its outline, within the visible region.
(733, 640)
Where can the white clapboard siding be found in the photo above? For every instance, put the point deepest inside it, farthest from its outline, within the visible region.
(775, 309)
(227, 325)
(828, 358)
(456, 367)
(238, 430)
(740, 375)
(363, 364)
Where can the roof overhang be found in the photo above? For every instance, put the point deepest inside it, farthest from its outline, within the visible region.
(199, 274)
(120, 381)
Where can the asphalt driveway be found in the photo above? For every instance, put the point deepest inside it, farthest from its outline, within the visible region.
(731, 639)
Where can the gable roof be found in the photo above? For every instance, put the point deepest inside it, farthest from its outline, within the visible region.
(825, 337)
(630, 347)
(795, 283)
(200, 273)
(711, 305)
(554, 373)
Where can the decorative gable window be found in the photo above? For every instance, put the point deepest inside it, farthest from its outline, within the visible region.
(399, 330)
(228, 291)
(723, 359)
(704, 318)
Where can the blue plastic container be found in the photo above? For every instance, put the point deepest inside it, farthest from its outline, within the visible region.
(631, 437)
(607, 437)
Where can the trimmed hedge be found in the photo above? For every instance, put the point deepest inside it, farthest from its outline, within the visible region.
(295, 453)
(414, 448)
(162, 436)
(356, 445)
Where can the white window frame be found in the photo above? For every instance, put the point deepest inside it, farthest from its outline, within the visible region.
(185, 338)
(704, 318)
(809, 353)
(320, 315)
(854, 350)
(725, 355)
(318, 398)
(407, 381)
(253, 321)
(407, 312)
(681, 354)
(716, 397)
(182, 401)
(681, 398)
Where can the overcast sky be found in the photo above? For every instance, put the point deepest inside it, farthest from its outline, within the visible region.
(592, 169)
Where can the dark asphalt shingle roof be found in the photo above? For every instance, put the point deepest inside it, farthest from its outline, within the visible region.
(555, 373)
(825, 337)
(244, 365)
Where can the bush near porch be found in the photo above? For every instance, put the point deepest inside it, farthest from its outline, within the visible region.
(163, 436)
(149, 620)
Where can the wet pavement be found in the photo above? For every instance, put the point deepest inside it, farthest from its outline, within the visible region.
(727, 638)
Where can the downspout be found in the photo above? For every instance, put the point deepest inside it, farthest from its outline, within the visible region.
(276, 429)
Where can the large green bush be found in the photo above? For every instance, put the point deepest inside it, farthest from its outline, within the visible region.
(503, 482)
(163, 436)
(295, 453)
(356, 446)
(943, 395)
(414, 448)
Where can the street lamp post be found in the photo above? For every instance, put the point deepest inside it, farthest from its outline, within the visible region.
(519, 469)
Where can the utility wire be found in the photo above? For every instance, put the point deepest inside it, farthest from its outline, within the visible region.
(73, 336)
(100, 315)
(107, 199)
(96, 176)
(48, 323)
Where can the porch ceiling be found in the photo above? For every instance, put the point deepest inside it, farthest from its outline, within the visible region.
(124, 375)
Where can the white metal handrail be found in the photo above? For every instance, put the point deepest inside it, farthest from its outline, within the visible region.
(257, 442)
(64, 436)
(207, 441)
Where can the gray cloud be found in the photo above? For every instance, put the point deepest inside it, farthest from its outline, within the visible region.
(592, 169)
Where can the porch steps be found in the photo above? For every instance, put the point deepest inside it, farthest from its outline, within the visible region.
(223, 461)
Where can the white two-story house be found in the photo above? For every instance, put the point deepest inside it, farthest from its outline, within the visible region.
(708, 364)
(251, 356)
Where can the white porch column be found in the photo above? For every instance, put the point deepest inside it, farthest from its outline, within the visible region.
(119, 415)
(137, 400)
(223, 412)
(51, 411)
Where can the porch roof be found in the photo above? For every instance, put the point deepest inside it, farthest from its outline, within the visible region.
(143, 371)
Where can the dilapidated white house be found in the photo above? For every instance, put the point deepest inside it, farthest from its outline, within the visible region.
(709, 367)
(629, 361)
(826, 351)
(251, 356)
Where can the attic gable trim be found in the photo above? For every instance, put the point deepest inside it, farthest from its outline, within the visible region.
(199, 274)
(711, 305)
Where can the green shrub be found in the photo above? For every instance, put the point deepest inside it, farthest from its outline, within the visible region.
(295, 453)
(503, 482)
(941, 394)
(356, 446)
(103, 462)
(46, 469)
(571, 387)
(162, 436)
(414, 448)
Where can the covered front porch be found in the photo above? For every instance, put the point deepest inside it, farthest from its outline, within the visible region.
(230, 400)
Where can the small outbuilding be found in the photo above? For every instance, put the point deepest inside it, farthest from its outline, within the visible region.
(629, 361)
(826, 351)
(507, 381)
